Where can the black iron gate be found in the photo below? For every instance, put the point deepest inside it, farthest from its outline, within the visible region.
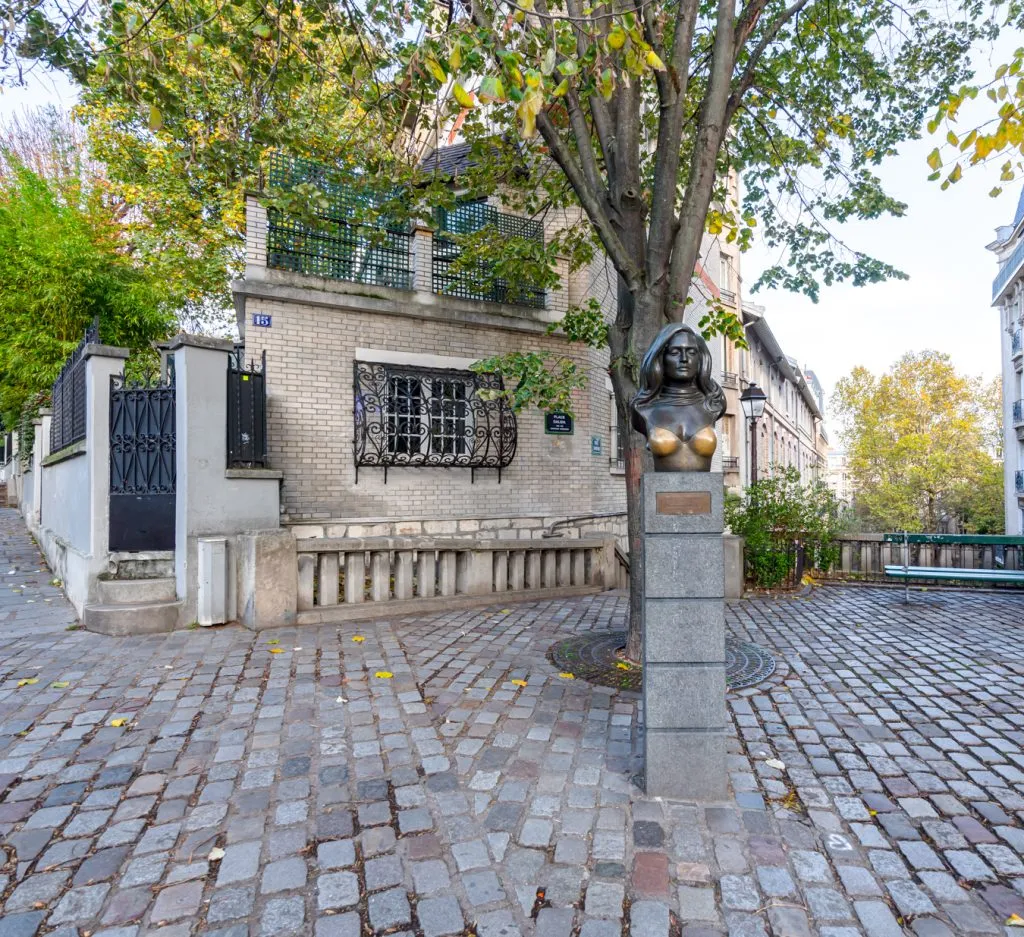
(142, 455)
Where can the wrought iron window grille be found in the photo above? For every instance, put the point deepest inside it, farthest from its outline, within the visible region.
(477, 281)
(339, 245)
(430, 418)
(247, 411)
(67, 398)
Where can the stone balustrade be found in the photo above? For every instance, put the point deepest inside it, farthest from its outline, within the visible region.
(865, 556)
(353, 578)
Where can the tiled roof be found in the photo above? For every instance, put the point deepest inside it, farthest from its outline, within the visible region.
(448, 160)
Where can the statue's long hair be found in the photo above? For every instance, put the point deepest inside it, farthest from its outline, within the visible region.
(652, 375)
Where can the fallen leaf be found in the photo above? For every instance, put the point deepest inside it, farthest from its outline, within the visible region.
(504, 611)
(117, 723)
(358, 638)
(1015, 920)
(273, 641)
(60, 685)
(384, 674)
(518, 683)
(276, 650)
(28, 682)
(215, 854)
(775, 763)
(622, 666)
(565, 675)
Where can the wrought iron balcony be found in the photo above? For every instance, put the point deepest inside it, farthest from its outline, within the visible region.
(729, 379)
(1018, 482)
(731, 463)
(1008, 269)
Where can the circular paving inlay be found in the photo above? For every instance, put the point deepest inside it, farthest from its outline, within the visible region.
(595, 658)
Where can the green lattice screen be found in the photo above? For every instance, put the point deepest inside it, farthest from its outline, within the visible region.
(478, 281)
(335, 247)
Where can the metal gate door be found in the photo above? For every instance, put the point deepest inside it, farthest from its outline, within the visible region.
(142, 469)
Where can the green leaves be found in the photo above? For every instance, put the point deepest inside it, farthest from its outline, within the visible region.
(537, 379)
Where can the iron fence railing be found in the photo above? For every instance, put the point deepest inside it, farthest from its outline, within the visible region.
(337, 243)
(1018, 412)
(1008, 269)
(247, 411)
(67, 398)
(478, 280)
(730, 463)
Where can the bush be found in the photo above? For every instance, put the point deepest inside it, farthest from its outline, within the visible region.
(779, 511)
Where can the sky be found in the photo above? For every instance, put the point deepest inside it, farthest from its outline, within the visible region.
(939, 243)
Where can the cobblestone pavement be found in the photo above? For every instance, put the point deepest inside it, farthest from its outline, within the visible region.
(202, 783)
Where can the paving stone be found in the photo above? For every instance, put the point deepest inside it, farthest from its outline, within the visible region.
(284, 875)
(79, 906)
(440, 916)
(876, 919)
(389, 909)
(789, 922)
(382, 872)
(227, 904)
(20, 925)
(337, 890)
(339, 925)
(178, 901)
(648, 919)
(739, 893)
(283, 916)
(337, 854)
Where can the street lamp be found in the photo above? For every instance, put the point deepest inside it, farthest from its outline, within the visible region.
(752, 400)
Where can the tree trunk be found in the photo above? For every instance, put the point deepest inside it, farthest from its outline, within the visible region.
(647, 314)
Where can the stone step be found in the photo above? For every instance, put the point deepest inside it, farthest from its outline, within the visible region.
(156, 564)
(140, 618)
(136, 591)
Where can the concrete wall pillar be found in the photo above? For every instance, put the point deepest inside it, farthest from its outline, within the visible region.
(211, 499)
(102, 362)
(684, 635)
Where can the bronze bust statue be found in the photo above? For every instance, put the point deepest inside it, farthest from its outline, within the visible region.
(678, 401)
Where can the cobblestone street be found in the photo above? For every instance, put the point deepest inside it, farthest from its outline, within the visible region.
(438, 776)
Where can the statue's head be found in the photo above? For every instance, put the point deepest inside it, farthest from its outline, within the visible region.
(679, 356)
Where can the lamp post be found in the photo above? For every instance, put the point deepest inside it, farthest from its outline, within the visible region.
(752, 400)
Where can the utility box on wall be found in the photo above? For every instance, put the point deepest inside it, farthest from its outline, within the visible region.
(213, 580)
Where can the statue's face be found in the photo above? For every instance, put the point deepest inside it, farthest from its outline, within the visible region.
(681, 358)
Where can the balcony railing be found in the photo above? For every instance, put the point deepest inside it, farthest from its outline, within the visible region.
(729, 379)
(731, 463)
(1018, 412)
(478, 281)
(1015, 344)
(1008, 269)
(1018, 483)
(332, 246)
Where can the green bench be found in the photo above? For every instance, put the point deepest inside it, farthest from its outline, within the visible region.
(951, 574)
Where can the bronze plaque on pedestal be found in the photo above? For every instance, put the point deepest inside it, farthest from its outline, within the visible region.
(683, 502)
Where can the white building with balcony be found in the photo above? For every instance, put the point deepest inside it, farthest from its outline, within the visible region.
(1008, 298)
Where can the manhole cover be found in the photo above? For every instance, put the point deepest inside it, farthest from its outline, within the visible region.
(594, 658)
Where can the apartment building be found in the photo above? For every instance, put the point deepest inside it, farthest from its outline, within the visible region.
(1008, 299)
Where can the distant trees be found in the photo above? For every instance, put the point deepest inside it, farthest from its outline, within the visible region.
(62, 262)
(920, 441)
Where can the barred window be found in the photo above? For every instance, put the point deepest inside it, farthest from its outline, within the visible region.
(407, 416)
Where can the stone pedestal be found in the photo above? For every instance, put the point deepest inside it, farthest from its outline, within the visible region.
(684, 635)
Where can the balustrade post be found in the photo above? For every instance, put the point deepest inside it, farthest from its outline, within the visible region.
(426, 574)
(517, 570)
(564, 567)
(846, 557)
(380, 576)
(307, 568)
(328, 577)
(447, 561)
(550, 569)
(355, 577)
(579, 567)
(403, 574)
(533, 567)
(500, 571)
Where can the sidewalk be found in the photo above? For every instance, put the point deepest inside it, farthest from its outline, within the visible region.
(391, 777)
